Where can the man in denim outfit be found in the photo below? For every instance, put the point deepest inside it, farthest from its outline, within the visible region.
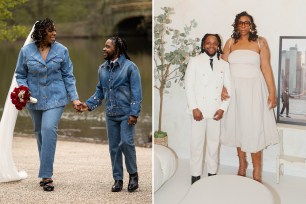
(120, 85)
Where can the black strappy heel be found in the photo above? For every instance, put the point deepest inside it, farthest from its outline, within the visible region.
(47, 185)
(42, 182)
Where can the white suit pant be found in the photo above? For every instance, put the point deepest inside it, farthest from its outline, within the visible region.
(199, 130)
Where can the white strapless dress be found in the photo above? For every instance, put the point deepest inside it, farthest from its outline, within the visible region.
(248, 123)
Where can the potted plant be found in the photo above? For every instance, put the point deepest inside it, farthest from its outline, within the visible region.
(170, 65)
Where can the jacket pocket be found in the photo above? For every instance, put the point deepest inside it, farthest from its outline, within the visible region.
(56, 62)
(31, 63)
(33, 67)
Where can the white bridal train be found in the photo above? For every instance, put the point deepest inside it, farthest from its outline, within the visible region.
(8, 170)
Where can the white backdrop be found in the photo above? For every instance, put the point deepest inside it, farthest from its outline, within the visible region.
(274, 18)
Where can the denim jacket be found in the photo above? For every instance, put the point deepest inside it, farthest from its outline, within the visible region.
(120, 87)
(52, 81)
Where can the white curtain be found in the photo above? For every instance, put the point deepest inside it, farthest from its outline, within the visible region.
(8, 170)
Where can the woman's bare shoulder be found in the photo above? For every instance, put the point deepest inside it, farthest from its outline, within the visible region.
(262, 40)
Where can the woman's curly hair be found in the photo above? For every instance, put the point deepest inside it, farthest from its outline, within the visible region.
(253, 32)
(40, 30)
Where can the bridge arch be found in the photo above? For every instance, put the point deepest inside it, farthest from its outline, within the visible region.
(130, 17)
(136, 25)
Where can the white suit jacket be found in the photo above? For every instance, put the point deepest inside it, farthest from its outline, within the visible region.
(204, 85)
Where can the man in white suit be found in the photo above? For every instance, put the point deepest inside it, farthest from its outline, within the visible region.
(206, 74)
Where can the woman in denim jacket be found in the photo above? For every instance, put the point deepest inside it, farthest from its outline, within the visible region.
(120, 85)
(44, 66)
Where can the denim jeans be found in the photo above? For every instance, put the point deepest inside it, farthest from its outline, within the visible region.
(45, 128)
(121, 140)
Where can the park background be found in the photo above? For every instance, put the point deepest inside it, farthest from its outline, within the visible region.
(83, 27)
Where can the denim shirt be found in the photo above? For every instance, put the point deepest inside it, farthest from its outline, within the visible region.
(52, 81)
(120, 86)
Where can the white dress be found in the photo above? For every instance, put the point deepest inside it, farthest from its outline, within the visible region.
(248, 123)
(8, 170)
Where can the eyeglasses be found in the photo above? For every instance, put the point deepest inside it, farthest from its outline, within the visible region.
(244, 23)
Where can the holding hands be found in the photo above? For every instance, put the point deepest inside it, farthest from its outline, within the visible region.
(80, 106)
(76, 103)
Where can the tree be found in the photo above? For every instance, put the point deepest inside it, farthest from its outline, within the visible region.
(58, 10)
(71, 17)
(170, 65)
(8, 31)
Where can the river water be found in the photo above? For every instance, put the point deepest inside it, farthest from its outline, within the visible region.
(86, 56)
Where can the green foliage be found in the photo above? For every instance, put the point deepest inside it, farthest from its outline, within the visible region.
(160, 134)
(71, 17)
(171, 65)
(9, 31)
(57, 10)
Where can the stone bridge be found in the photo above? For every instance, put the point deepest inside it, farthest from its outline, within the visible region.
(128, 17)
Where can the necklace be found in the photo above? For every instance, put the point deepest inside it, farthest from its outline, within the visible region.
(43, 47)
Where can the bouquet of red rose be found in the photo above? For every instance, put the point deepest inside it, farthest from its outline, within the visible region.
(20, 96)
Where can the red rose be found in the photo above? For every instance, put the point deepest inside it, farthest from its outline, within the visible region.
(23, 103)
(24, 88)
(24, 98)
(15, 101)
(14, 95)
(18, 106)
(16, 90)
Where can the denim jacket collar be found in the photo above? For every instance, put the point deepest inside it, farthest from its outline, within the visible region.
(119, 62)
(37, 56)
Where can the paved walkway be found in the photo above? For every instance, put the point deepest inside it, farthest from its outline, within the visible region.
(82, 174)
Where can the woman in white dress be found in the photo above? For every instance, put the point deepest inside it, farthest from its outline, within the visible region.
(249, 123)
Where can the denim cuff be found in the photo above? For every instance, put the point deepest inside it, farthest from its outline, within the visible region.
(135, 108)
